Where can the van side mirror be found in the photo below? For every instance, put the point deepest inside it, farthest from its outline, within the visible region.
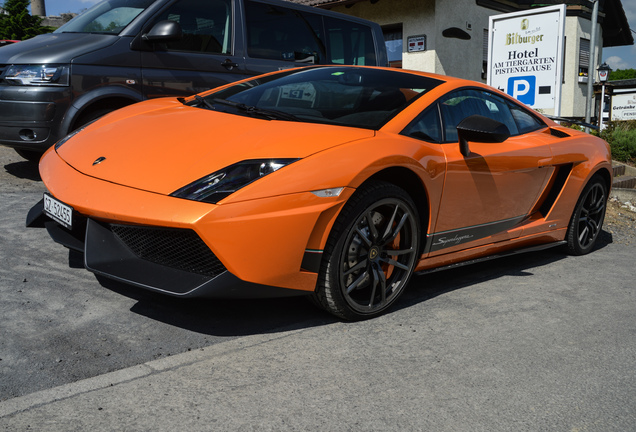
(482, 129)
(164, 31)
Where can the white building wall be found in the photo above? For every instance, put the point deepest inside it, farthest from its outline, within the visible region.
(574, 89)
(463, 58)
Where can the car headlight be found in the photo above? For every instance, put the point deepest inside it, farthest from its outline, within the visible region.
(37, 75)
(216, 186)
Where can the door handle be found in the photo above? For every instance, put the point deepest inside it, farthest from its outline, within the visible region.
(229, 64)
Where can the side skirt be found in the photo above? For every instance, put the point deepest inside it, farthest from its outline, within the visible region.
(491, 257)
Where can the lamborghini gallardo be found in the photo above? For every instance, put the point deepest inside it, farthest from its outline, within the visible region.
(338, 182)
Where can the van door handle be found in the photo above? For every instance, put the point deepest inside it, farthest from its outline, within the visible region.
(229, 64)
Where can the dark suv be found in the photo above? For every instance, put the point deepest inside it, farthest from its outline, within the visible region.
(123, 51)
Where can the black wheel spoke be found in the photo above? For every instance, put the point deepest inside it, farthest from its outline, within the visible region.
(379, 281)
(397, 252)
(372, 229)
(397, 229)
(583, 236)
(363, 236)
(356, 267)
(357, 282)
(395, 263)
(387, 231)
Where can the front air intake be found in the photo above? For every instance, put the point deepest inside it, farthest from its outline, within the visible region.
(181, 249)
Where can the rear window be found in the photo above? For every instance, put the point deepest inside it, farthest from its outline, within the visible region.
(279, 33)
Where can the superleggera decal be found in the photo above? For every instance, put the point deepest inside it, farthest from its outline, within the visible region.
(448, 239)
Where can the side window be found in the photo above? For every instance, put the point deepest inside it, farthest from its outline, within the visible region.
(526, 122)
(278, 33)
(349, 43)
(463, 103)
(206, 25)
(426, 126)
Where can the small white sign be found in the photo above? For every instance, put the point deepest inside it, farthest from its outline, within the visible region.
(624, 106)
(416, 43)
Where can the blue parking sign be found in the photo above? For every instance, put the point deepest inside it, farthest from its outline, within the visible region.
(522, 88)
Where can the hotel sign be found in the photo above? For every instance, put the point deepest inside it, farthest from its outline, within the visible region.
(525, 55)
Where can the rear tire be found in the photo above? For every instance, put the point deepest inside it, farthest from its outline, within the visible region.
(370, 254)
(587, 219)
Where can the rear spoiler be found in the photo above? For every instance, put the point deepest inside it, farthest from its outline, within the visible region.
(573, 121)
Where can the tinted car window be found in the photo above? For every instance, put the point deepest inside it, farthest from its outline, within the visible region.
(526, 122)
(277, 33)
(349, 43)
(106, 17)
(458, 105)
(206, 26)
(365, 98)
(426, 126)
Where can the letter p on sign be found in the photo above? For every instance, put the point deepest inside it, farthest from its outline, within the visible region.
(523, 89)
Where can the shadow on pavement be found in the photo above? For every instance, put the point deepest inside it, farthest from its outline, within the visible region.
(240, 317)
(24, 170)
(223, 317)
(426, 287)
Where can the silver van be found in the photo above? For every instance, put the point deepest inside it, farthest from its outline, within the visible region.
(123, 51)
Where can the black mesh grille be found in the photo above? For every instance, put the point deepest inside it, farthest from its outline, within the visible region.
(558, 133)
(182, 249)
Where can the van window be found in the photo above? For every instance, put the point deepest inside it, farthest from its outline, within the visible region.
(109, 17)
(206, 26)
(278, 33)
(349, 43)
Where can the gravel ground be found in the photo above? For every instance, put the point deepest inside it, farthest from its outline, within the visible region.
(620, 222)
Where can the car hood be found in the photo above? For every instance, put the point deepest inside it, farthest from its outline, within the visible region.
(163, 145)
(54, 48)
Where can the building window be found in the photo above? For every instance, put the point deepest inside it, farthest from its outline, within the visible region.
(394, 44)
(584, 57)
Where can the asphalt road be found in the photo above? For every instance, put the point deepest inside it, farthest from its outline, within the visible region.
(541, 341)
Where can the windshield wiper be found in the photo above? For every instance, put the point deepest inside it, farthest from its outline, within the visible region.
(269, 113)
(197, 102)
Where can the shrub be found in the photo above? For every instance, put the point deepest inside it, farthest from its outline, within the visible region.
(621, 137)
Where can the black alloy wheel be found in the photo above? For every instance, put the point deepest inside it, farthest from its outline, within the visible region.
(371, 253)
(587, 219)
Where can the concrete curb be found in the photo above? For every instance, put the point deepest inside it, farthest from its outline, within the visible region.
(133, 373)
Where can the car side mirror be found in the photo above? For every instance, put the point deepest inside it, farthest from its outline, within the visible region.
(164, 31)
(482, 129)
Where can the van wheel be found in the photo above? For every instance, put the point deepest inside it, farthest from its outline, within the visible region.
(91, 115)
(370, 254)
(30, 155)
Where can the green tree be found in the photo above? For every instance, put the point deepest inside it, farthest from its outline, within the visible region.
(621, 74)
(17, 23)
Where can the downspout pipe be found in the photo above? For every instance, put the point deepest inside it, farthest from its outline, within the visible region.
(591, 67)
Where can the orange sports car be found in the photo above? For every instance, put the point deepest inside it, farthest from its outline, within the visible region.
(336, 182)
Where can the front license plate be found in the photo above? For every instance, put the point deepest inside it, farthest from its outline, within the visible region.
(58, 211)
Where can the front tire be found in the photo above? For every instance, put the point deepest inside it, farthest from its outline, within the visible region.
(587, 219)
(30, 155)
(370, 254)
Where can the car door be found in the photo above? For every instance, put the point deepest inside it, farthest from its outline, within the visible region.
(491, 191)
(201, 59)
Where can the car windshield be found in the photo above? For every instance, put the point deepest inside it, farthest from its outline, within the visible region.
(348, 96)
(107, 17)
